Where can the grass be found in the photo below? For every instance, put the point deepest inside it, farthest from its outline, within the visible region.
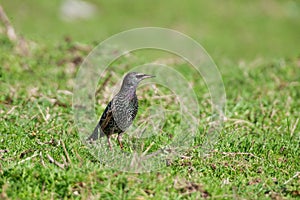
(257, 153)
(231, 30)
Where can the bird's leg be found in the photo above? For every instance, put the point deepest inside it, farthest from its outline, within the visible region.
(120, 140)
(108, 141)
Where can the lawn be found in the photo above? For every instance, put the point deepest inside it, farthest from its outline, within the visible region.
(256, 154)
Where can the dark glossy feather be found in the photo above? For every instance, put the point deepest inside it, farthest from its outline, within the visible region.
(121, 110)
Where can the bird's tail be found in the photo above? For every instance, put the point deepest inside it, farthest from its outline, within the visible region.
(96, 133)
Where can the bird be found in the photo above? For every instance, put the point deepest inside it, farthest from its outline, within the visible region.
(120, 111)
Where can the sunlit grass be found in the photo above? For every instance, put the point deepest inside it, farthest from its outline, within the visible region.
(257, 152)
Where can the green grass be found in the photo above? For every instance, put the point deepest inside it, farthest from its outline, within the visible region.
(232, 30)
(257, 153)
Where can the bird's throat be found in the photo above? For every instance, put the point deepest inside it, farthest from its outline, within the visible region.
(131, 95)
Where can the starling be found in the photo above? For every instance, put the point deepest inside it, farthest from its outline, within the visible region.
(120, 111)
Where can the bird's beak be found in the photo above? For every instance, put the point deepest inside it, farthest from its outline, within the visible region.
(144, 76)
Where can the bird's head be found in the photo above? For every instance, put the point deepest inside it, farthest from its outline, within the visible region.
(132, 79)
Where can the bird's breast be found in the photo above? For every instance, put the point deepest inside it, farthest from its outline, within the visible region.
(125, 108)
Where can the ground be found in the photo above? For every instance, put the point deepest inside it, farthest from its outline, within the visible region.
(257, 152)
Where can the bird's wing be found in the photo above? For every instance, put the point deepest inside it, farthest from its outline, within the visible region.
(102, 124)
(106, 116)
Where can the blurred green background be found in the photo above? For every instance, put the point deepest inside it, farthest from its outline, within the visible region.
(256, 47)
(231, 30)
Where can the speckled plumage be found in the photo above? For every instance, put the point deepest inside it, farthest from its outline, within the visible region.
(121, 110)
